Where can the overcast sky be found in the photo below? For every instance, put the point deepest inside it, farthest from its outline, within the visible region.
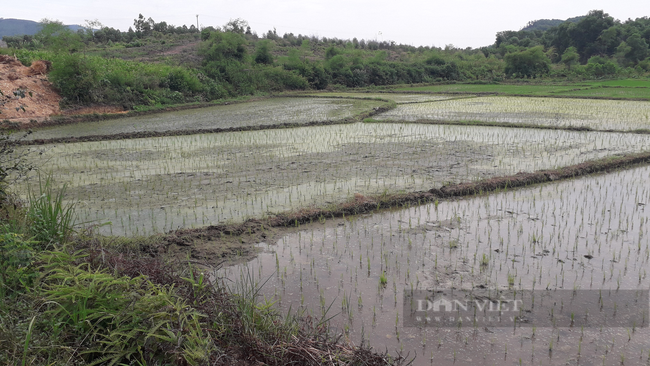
(463, 23)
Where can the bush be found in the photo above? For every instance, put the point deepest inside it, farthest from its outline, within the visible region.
(16, 258)
(278, 79)
(76, 77)
(530, 63)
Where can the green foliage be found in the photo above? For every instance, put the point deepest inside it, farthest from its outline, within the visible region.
(383, 280)
(278, 79)
(119, 319)
(598, 66)
(92, 79)
(55, 36)
(636, 50)
(584, 34)
(224, 46)
(16, 258)
(263, 53)
(529, 63)
(76, 77)
(50, 219)
(570, 57)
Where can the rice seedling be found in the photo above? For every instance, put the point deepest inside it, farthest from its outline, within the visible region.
(189, 181)
(268, 112)
(552, 112)
(535, 245)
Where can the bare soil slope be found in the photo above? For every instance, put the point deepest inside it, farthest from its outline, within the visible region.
(41, 99)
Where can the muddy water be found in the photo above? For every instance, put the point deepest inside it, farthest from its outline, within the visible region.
(556, 112)
(589, 233)
(158, 184)
(258, 113)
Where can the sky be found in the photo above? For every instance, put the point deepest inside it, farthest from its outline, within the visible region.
(461, 23)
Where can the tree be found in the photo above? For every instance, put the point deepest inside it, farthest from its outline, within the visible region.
(570, 57)
(142, 26)
(57, 37)
(223, 46)
(236, 25)
(600, 66)
(263, 52)
(584, 34)
(529, 63)
(637, 49)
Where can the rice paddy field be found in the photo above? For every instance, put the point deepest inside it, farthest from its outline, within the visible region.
(266, 112)
(397, 98)
(580, 234)
(615, 115)
(518, 89)
(637, 89)
(145, 186)
(588, 233)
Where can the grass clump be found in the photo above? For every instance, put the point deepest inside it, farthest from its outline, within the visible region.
(49, 218)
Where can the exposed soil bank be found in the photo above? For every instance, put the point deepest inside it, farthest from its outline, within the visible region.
(200, 243)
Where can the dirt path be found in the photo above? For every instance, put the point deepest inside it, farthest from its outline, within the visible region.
(181, 48)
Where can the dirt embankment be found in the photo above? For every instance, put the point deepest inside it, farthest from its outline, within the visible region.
(28, 98)
(27, 95)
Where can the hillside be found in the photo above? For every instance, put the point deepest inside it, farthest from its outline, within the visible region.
(546, 24)
(16, 27)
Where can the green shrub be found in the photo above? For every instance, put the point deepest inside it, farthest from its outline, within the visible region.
(16, 258)
(77, 78)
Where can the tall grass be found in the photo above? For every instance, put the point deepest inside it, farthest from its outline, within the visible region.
(49, 218)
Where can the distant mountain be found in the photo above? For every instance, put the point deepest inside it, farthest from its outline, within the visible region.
(545, 24)
(14, 27)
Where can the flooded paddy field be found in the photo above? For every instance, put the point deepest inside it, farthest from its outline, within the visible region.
(395, 97)
(144, 186)
(585, 234)
(267, 112)
(553, 112)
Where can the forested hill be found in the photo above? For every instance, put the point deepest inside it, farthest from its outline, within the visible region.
(546, 24)
(596, 38)
(15, 27)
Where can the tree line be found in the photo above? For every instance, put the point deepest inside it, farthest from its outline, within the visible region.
(236, 61)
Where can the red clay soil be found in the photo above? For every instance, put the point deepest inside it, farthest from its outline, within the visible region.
(41, 99)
